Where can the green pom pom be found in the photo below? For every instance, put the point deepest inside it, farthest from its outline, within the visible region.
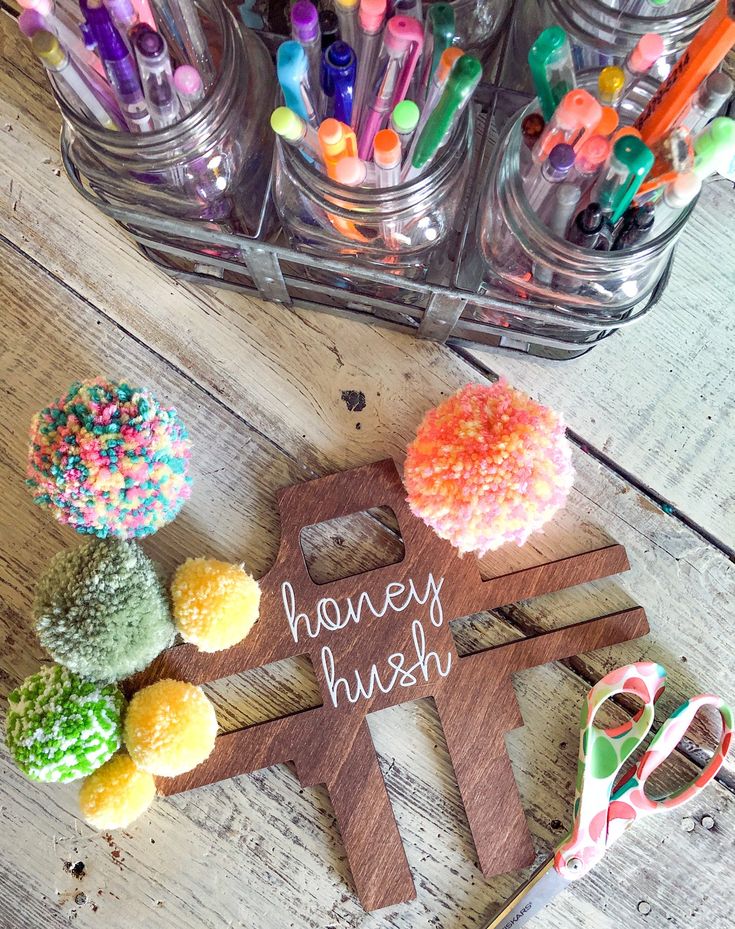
(100, 610)
(60, 728)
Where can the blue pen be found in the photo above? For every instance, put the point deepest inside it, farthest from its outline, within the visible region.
(292, 67)
(339, 69)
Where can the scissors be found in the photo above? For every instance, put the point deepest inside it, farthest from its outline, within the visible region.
(607, 803)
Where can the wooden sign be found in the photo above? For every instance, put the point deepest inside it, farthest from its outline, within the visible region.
(379, 639)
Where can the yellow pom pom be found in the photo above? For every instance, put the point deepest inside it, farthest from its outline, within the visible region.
(116, 794)
(215, 604)
(170, 728)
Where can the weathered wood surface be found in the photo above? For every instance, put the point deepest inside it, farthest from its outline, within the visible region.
(259, 851)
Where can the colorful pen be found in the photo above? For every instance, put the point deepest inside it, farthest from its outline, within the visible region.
(439, 32)
(305, 31)
(57, 62)
(292, 68)
(610, 85)
(189, 28)
(531, 128)
(676, 196)
(354, 172)
(714, 148)
(294, 130)
(339, 68)
(554, 170)
(189, 87)
(119, 67)
(337, 141)
(590, 159)
(575, 119)
(371, 15)
(154, 67)
(629, 163)
(67, 32)
(387, 158)
(566, 198)
(552, 68)
(436, 88)
(403, 121)
(403, 40)
(458, 90)
(328, 27)
(648, 50)
(346, 11)
(592, 229)
(711, 96)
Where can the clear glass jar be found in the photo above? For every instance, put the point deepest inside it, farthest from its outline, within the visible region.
(600, 34)
(394, 228)
(524, 257)
(477, 23)
(212, 165)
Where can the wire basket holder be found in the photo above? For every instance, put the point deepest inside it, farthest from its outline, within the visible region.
(452, 305)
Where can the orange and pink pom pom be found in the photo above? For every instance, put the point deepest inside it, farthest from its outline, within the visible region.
(488, 466)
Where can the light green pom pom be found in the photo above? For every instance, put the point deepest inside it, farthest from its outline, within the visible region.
(60, 727)
(101, 611)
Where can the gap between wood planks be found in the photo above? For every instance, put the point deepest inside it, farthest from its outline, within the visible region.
(575, 666)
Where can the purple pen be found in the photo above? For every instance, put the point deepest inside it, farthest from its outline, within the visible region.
(154, 67)
(119, 66)
(30, 22)
(553, 171)
(305, 30)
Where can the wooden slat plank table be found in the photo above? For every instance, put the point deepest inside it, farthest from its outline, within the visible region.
(267, 395)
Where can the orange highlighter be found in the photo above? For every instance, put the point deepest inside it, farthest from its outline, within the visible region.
(707, 49)
(338, 141)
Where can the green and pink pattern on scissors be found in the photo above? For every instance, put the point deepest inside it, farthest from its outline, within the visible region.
(606, 804)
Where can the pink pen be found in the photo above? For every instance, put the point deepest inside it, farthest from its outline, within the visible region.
(66, 31)
(591, 156)
(370, 18)
(574, 121)
(403, 40)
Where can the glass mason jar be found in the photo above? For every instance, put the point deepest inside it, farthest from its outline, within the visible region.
(524, 257)
(394, 228)
(477, 23)
(600, 34)
(212, 165)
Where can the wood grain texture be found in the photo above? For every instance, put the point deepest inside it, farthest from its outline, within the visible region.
(261, 391)
(262, 851)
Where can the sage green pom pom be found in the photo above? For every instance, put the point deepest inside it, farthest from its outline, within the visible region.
(60, 727)
(101, 611)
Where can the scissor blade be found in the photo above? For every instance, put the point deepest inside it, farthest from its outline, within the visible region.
(542, 886)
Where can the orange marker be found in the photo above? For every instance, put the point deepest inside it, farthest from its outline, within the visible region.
(707, 49)
(337, 141)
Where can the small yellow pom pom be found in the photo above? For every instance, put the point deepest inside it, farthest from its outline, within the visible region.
(116, 794)
(170, 728)
(215, 604)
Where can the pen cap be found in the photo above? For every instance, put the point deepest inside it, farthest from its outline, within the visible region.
(559, 163)
(188, 82)
(715, 147)
(30, 22)
(609, 120)
(647, 52)
(286, 123)
(49, 50)
(336, 139)
(441, 22)
(610, 84)
(631, 160)
(714, 92)
(682, 190)
(576, 110)
(44, 7)
(346, 5)
(149, 46)
(291, 62)
(371, 15)
(401, 32)
(593, 154)
(304, 21)
(405, 117)
(350, 171)
(121, 10)
(387, 150)
(446, 63)
(458, 90)
(551, 53)
(591, 218)
(339, 55)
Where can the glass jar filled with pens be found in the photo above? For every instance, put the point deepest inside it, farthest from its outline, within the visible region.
(374, 143)
(165, 106)
(591, 184)
(604, 32)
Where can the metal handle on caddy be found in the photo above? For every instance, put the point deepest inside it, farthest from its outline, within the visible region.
(440, 310)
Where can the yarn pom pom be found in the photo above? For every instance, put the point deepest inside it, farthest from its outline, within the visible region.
(488, 466)
(215, 604)
(101, 611)
(170, 728)
(109, 461)
(60, 728)
(116, 794)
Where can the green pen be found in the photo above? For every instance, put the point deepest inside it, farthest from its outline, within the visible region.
(714, 148)
(461, 83)
(438, 36)
(552, 68)
(629, 163)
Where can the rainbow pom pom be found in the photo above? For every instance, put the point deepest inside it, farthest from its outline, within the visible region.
(116, 794)
(488, 466)
(109, 461)
(60, 727)
(215, 604)
(170, 727)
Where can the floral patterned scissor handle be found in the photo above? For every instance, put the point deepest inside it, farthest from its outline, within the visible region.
(606, 803)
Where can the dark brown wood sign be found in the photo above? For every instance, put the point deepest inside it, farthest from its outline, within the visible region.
(379, 639)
